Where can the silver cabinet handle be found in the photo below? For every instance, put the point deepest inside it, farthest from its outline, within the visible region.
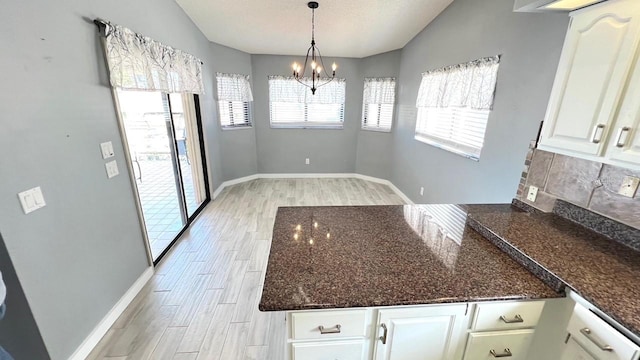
(596, 137)
(619, 141)
(587, 333)
(383, 338)
(506, 353)
(516, 319)
(334, 330)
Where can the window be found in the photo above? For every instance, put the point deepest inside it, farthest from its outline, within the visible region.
(377, 103)
(454, 105)
(292, 105)
(234, 96)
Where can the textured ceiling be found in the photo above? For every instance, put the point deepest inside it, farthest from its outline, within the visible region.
(348, 28)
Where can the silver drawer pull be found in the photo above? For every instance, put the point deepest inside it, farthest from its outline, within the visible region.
(596, 136)
(506, 353)
(516, 319)
(334, 330)
(619, 140)
(587, 333)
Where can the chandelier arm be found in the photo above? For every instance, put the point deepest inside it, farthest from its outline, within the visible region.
(322, 62)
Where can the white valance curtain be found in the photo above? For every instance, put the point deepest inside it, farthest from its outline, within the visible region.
(234, 87)
(137, 62)
(469, 85)
(288, 89)
(379, 91)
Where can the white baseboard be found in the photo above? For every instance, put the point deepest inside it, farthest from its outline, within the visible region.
(105, 324)
(312, 176)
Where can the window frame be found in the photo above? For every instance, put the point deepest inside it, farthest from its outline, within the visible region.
(365, 108)
(305, 109)
(247, 112)
(446, 144)
(226, 107)
(459, 98)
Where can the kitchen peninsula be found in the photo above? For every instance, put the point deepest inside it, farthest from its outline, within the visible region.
(394, 274)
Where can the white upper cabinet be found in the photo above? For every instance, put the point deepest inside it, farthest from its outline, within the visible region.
(599, 51)
(624, 146)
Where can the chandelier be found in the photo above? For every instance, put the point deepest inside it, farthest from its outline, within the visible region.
(314, 59)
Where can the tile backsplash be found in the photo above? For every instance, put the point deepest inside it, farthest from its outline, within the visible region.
(588, 184)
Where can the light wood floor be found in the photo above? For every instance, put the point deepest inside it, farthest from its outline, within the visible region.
(202, 300)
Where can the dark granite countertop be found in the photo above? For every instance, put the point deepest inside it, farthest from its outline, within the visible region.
(364, 256)
(602, 271)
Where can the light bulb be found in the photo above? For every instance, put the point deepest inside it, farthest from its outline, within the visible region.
(313, 65)
(318, 70)
(328, 235)
(299, 227)
(334, 67)
(315, 224)
(295, 236)
(295, 66)
(311, 241)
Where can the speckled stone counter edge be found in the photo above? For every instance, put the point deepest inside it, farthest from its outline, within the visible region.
(624, 234)
(521, 258)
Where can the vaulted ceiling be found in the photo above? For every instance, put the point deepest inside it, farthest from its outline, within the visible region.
(347, 28)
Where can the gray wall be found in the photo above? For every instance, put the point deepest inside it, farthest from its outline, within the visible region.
(19, 334)
(239, 157)
(467, 30)
(285, 150)
(375, 149)
(77, 256)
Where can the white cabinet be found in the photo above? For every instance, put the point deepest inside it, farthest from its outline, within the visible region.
(334, 350)
(513, 344)
(625, 144)
(599, 52)
(574, 351)
(592, 338)
(430, 332)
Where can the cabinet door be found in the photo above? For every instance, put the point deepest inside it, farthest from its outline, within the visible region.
(329, 350)
(574, 351)
(595, 62)
(625, 144)
(429, 333)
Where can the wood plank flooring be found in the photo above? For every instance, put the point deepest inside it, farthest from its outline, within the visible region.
(201, 303)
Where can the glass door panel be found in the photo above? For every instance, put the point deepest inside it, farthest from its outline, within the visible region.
(185, 132)
(147, 125)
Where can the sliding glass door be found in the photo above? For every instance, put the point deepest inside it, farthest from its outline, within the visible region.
(163, 137)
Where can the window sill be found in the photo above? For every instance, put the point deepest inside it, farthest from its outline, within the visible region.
(309, 127)
(233, 128)
(376, 130)
(448, 148)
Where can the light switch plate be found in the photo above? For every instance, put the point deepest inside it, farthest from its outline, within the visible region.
(107, 149)
(31, 200)
(532, 194)
(112, 169)
(629, 186)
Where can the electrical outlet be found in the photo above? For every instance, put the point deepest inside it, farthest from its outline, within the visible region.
(629, 186)
(306, 161)
(112, 169)
(421, 191)
(532, 194)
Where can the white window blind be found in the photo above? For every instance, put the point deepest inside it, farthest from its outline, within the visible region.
(292, 105)
(234, 97)
(377, 103)
(454, 105)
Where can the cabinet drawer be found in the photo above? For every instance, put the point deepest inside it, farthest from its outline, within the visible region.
(512, 344)
(335, 324)
(507, 315)
(338, 350)
(595, 335)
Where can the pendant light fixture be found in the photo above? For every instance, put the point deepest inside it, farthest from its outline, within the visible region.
(314, 60)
